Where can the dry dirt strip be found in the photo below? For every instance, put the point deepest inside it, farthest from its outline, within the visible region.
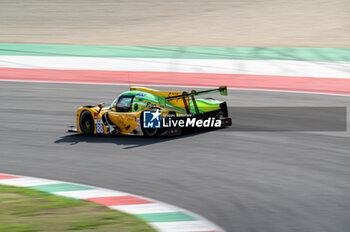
(161, 216)
(325, 70)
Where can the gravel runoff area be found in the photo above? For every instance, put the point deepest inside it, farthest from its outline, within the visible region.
(298, 23)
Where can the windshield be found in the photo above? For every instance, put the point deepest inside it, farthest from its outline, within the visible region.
(123, 103)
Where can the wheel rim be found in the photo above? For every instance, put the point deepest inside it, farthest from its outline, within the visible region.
(87, 125)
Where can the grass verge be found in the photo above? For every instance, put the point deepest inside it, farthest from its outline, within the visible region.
(27, 210)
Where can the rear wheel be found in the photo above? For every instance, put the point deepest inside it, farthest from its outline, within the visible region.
(87, 125)
(150, 132)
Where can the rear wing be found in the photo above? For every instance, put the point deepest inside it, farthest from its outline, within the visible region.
(192, 94)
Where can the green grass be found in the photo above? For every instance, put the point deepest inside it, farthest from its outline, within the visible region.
(27, 210)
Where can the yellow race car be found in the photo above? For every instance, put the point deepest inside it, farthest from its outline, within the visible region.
(149, 112)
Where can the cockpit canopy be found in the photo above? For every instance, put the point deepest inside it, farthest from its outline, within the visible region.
(124, 103)
(131, 101)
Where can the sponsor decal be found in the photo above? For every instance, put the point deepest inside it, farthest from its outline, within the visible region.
(99, 126)
(191, 122)
(151, 119)
(150, 104)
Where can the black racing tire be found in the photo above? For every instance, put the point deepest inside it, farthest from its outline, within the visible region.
(150, 132)
(87, 125)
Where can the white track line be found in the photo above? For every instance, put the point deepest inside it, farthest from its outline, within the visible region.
(253, 67)
(175, 86)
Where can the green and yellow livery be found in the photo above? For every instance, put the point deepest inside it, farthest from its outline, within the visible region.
(125, 115)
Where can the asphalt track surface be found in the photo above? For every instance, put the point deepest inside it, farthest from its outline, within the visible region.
(243, 181)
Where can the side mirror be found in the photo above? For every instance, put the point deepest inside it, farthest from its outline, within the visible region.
(101, 105)
(136, 107)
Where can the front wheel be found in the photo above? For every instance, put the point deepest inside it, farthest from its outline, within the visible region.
(87, 125)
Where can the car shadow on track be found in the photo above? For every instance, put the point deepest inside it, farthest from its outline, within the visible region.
(128, 141)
